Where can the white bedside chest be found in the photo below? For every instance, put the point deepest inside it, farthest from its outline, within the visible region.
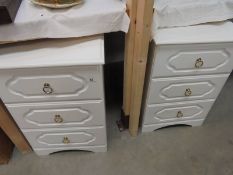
(187, 68)
(54, 91)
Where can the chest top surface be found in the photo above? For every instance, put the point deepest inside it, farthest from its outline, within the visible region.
(53, 53)
(221, 32)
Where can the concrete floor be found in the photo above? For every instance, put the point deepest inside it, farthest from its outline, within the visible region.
(206, 150)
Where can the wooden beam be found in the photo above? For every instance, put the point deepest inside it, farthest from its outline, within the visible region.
(6, 148)
(129, 55)
(141, 46)
(10, 128)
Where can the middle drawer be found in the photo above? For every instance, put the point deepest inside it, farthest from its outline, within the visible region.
(58, 114)
(166, 90)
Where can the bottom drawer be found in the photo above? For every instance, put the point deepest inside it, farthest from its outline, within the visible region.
(171, 112)
(72, 137)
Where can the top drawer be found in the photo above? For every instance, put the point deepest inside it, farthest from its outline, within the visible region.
(175, 60)
(51, 84)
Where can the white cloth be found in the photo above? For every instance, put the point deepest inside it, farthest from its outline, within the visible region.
(90, 18)
(173, 13)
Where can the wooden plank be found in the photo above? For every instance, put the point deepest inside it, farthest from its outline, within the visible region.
(142, 39)
(10, 128)
(6, 148)
(129, 56)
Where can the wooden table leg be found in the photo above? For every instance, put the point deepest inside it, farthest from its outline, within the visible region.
(10, 128)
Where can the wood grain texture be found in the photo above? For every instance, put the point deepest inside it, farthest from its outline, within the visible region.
(9, 126)
(6, 148)
(142, 39)
(129, 56)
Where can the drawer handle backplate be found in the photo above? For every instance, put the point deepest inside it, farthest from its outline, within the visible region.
(179, 114)
(199, 63)
(66, 140)
(58, 119)
(188, 92)
(47, 88)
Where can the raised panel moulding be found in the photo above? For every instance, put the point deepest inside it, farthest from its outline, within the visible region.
(204, 88)
(71, 116)
(189, 112)
(24, 86)
(56, 139)
(214, 60)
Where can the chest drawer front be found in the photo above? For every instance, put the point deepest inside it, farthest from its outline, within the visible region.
(58, 115)
(66, 137)
(166, 90)
(68, 83)
(176, 112)
(192, 60)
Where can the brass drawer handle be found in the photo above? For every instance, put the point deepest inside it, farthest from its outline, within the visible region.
(58, 119)
(199, 63)
(66, 140)
(179, 114)
(47, 88)
(188, 92)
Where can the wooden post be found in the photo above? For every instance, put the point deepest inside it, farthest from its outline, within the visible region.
(6, 148)
(143, 35)
(129, 56)
(10, 128)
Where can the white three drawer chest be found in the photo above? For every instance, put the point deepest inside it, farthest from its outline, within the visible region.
(187, 68)
(54, 91)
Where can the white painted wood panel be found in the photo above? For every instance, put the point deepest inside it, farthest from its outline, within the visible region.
(58, 114)
(166, 90)
(53, 53)
(176, 112)
(70, 137)
(181, 60)
(51, 84)
(220, 32)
